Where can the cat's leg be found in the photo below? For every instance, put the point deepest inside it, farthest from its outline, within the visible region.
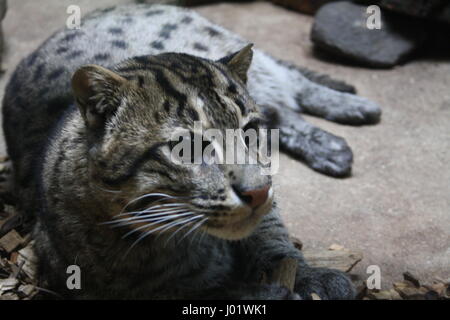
(320, 78)
(269, 243)
(321, 150)
(274, 80)
(291, 90)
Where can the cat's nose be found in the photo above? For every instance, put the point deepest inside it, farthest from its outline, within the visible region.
(254, 197)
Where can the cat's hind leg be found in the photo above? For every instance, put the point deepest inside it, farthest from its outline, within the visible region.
(306, 91)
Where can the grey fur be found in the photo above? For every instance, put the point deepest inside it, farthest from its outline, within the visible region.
(73, 174)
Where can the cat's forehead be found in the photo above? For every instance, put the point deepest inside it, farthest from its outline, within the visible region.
(187, 89)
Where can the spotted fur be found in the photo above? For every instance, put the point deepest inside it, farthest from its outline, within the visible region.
(87, 119)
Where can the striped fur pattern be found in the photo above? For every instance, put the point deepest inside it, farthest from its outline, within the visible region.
(87, 118)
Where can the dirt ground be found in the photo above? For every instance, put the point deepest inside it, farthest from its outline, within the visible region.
(396, 206)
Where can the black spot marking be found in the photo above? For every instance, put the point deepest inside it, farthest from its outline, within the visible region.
(71, 36)
(157, 45)
(74, 54)
(241, 106)
(32, 59)
(55, 74)
(186, 20)
(156, 116)
(141, 81)
(193, 114)
(232, 88)
(39, 71)
(115, 31)
(107, 10)
(167, 106)
(153, 13)
(62, 50)
(212, 32)
(167, 30)
(102, 56)
(198, 46)
(119, 44)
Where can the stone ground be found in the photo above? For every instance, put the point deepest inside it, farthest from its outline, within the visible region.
(396, 206)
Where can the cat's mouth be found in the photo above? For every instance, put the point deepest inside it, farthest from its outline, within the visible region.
(238, 228)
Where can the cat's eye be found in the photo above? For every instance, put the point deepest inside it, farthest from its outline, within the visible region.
(250, 131)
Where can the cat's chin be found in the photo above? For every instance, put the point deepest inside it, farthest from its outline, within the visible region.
(242, 228)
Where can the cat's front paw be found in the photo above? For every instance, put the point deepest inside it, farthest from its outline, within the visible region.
(328, 153)
(328, 284)
(353, 110)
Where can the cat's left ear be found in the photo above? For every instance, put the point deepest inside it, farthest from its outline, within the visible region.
(239, 62)
(95, 88)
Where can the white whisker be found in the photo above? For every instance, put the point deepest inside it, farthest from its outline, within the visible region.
(176, 223)
(139, 217)
(197, 225)
(155, 221)
(151, 208)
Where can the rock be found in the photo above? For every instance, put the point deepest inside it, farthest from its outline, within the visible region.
(443, 15)
(415, 8)
(303, 6)
(340, 28)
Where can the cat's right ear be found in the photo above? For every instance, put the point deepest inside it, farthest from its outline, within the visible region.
(96, 93)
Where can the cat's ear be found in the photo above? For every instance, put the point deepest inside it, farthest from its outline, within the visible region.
(95, 90)
(239, 62)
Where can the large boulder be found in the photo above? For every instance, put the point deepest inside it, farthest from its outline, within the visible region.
(304, 6)
(341, 29)
(415, 8)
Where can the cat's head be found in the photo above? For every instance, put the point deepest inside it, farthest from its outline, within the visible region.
(131, 114)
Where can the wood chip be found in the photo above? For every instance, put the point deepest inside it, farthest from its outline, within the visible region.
(8, 284)
(297, 243)
(315, 296)
(410, 292)
(284, 274)
(342, 260)
(336, 247)
(29, 260)
(27, 289)
(11, 241)
(409, 277)
(380, 295)
(9, 296)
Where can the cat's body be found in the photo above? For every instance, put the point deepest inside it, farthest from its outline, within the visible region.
(77, 175)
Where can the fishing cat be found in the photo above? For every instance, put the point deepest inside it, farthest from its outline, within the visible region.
(87, 119)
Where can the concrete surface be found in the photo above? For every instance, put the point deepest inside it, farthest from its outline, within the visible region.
(396, 206)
